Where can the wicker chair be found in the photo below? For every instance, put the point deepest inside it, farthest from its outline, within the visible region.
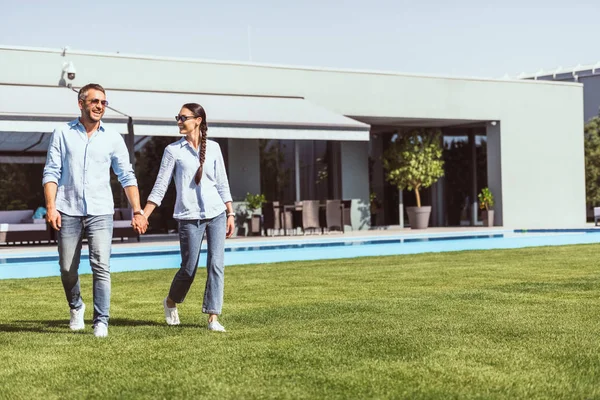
(310, 215)
(333, 215)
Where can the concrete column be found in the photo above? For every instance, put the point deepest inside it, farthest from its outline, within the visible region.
(401, 208)
(473, 167)
(355, 181)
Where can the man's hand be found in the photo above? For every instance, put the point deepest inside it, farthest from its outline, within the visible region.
(139, 223)
(230, 226)
(53, 218)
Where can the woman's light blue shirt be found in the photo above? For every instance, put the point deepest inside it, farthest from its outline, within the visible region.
(181, 161)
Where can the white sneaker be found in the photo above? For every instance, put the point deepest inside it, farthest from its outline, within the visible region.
(171, 314)
(76, 323)
(216, 326)
(100, 329)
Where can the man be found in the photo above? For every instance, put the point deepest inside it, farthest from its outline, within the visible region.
(79, 200)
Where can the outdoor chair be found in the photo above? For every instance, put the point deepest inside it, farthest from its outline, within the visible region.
(333, 215)
(596, 215)
(310, 215)
(19, 226)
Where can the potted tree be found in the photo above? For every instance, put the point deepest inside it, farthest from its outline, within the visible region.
(253, 203)
(486, 202)
(414, 162)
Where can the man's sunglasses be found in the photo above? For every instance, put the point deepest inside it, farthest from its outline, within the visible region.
(184, 118)
(98, 101)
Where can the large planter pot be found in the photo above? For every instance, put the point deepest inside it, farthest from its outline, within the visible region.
(255, 225)
(488, 218)
(418, 217)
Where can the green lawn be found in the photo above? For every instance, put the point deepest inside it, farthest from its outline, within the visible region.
(481, 324)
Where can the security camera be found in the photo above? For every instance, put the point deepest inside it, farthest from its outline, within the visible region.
(69, 69)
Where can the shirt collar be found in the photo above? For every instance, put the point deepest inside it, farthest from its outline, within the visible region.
(184, 142)
(76, 123)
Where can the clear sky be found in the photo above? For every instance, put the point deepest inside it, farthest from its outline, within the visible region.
(455, 37)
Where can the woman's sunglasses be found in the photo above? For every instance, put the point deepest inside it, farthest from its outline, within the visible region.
(183, 118)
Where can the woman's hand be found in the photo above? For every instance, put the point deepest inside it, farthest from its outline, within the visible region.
(230, 226)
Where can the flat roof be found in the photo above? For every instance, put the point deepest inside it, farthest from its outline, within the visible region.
(66, 51)
(594, 69)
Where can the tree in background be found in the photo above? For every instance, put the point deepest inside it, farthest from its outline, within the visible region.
(592, 161)
(21, 186)
(414, 160)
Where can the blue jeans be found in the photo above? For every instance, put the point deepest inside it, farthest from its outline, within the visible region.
(190, 240)
(99, 230)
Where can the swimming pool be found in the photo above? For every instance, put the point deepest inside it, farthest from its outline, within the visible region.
(136, 258)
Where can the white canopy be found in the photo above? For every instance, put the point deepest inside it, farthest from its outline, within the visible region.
(29, 114)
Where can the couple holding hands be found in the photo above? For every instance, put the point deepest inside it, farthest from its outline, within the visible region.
(79, 201)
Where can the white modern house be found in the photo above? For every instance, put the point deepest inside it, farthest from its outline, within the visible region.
(321, 131)
(587, 75)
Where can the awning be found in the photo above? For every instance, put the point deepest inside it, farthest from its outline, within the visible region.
(29, 114)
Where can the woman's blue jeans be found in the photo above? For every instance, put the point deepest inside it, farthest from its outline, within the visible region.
(190, 240)
(99, 230)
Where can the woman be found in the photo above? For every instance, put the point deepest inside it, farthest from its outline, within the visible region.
(203, 204)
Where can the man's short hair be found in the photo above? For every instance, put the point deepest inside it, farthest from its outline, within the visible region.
(83, 92)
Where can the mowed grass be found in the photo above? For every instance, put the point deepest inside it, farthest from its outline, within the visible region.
(481, 324)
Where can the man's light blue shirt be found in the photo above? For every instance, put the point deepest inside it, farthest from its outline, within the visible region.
(80, 166)
(181, 161)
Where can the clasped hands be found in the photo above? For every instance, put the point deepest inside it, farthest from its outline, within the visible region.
(139, 223)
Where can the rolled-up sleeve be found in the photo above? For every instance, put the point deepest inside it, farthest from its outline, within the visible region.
(121, 165)
(165, 174)
(221, 177)
(53, 167)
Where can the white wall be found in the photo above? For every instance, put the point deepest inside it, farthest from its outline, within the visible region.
(494, 169)
(541, 136)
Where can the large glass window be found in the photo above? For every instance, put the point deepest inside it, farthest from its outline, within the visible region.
(314, 169)
(316, 173)
(458, 174)
(277, 170)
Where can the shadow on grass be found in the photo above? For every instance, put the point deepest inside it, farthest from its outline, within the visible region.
(62, 325)
(51, 326)
(133, 322)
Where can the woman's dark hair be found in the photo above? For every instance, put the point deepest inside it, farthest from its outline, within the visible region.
(198, 111)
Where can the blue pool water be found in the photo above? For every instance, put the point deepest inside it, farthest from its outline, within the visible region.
(137, 257)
